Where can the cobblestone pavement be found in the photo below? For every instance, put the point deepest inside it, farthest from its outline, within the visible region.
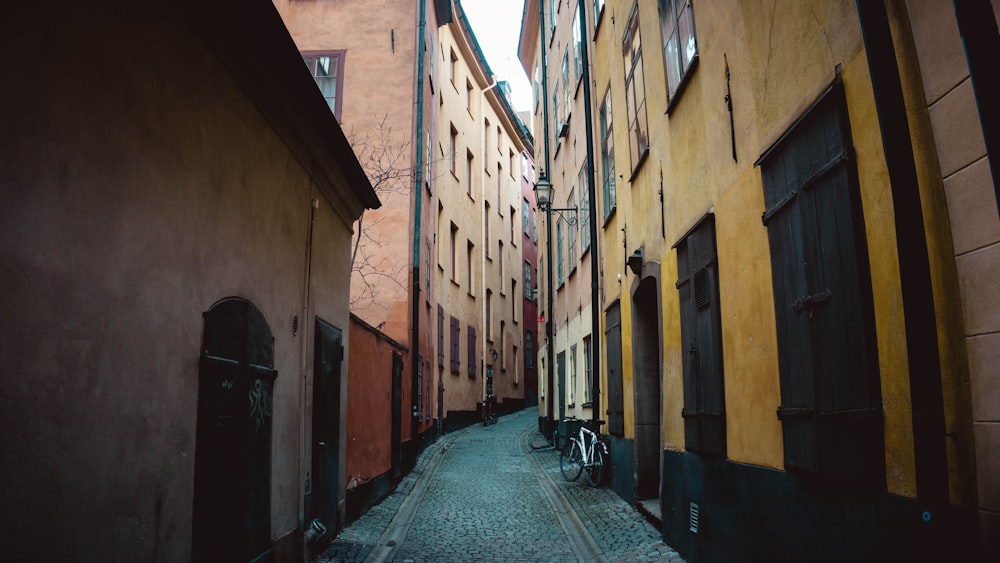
(483, 494)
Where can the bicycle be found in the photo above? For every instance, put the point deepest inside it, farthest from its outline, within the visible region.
(586, 451)
(489, 411)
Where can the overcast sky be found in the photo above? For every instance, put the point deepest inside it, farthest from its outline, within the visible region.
(497, 25)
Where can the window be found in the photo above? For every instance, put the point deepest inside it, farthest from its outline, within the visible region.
(327, 69)
(468, 266)
(577, 50)
(588, 374)
(500, 263)
(468, 173)
(513, 301)
(486, 143)
(701, 339)
(512, 164)
(489, 315)
(556, 114)
(571, 255)
(559, 253)
(515, 365)
(468, 96)
(552, 19)
(499, 189)
(567, 88)
(635, 92)
(831, 413)
(499, 140)
(534, 226)
(453, 149)
(486, 227)
(471, 331)
(439, 236)
(529, 349)
(452, 67)
(527, 280)
(680, 49)
(607, 155)
(584, 209)
(455, 361)
(526, 217)
(513, 226)
(454, 255)
(598, 10)
(572, 375)
(537, 87)
(503, 334)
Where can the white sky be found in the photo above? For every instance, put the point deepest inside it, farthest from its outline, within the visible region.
(497, 25)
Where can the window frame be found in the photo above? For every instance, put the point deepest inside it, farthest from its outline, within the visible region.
(668, 9)
(341, 55)
(634, 109)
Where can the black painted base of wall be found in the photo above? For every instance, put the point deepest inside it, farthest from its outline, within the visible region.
(360, 499)
(457, 420)
(622, 472)
(751, 513)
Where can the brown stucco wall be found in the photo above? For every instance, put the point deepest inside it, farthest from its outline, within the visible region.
(140, 186)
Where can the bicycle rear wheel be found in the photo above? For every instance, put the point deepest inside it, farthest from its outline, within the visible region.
(595, 471)
(571, 461)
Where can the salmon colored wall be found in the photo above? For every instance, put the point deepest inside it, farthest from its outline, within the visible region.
(369, 414)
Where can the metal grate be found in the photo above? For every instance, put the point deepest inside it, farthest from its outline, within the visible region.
(694, 518)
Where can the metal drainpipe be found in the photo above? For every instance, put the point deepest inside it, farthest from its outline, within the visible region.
(418, 195)
(914, 269)
(549, 343)
(595, 314)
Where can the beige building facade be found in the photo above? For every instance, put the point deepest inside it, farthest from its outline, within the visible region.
(479, 252)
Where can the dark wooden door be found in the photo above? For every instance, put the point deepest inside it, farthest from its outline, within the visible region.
(396, 404)
(232, 481)
(616, 393)
(328, 353)
(830, 397)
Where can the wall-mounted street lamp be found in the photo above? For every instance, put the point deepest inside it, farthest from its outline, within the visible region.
(635, 262)
(543, 195)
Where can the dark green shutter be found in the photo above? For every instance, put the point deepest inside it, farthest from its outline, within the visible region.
(830, 398)
(616, 395)
(701, 338)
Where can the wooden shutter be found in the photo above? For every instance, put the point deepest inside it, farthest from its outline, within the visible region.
(616, 395)
(472, 351)
(454, 345)
(830, 398)
(701, 337)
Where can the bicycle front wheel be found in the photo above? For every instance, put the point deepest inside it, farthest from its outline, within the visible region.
(571, 461)
(595, 471)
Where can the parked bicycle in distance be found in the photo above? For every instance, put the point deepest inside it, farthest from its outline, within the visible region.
(489, 410)
(584, 452)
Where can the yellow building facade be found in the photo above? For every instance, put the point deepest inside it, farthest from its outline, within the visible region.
(787, 361)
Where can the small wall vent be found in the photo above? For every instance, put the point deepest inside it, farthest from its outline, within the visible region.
(693, 520)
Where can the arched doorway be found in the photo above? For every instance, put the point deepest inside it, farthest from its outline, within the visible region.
(232, 474)
(646, 346)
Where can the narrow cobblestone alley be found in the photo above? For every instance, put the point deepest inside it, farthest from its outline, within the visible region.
(483, 494)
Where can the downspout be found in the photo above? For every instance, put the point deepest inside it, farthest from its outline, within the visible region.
(304, 331)
(418, 196)
(549, 314)
(914, 272)
(595, 313)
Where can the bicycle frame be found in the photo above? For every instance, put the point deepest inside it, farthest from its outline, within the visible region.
(593, 453)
